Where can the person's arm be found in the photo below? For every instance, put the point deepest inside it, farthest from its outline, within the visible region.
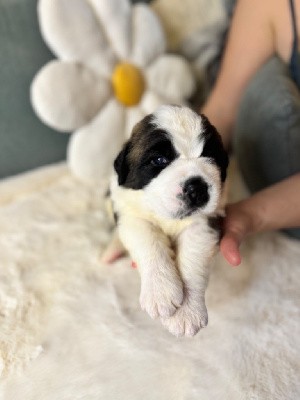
(251, 42)
(275, 207)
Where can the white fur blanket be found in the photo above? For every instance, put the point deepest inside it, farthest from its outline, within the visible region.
(73, 329)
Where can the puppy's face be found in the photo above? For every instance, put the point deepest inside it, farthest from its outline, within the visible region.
(177, 159)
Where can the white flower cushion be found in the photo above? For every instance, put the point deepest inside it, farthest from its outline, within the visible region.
(76, 92)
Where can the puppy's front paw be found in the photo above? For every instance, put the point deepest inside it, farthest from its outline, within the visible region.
(161, 297)
(188, 319)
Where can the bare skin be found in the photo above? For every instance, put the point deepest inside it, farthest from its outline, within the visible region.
(273, 208)
(259, 30)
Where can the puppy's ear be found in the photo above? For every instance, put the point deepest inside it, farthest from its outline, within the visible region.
(121, 164)
(213, 147)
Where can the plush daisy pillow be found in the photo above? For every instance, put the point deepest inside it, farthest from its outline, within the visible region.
(111, 71)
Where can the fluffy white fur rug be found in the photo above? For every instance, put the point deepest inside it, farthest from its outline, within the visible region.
(73, 329)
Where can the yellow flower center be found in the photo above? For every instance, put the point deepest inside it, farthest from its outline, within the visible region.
(128, 83)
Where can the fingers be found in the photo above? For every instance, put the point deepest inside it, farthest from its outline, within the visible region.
(230, 249)
(236, 226)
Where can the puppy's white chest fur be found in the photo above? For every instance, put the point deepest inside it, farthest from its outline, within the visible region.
(131, 204)
(167, 186)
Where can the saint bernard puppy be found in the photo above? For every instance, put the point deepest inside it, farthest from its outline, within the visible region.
(166, 194)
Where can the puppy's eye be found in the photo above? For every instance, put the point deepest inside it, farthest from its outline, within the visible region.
(160, 161)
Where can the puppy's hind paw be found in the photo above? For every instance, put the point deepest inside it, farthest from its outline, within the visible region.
(113, 251)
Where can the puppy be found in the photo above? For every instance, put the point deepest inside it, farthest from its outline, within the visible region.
(166, 194)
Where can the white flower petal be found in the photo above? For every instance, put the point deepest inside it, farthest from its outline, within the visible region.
(148, 37)
(133, 115)
(115, 16)
(151, 101)
(171, 77)
(72, 31)
(93, 148)
(66, 96)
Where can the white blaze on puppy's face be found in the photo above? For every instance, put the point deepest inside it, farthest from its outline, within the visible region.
(184, 127)
(176, 159)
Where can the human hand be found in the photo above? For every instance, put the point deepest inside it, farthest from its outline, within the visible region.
(240, 221)
(275, 207)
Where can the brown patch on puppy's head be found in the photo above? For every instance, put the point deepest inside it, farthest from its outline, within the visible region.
(144, 155)
(141, 134)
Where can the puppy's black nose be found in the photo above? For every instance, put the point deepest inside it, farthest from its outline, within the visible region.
(195, 192)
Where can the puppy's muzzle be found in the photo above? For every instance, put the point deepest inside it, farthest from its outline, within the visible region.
(195, 192)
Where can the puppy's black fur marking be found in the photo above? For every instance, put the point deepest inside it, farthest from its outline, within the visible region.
(121, 164)
(213, 147)
(133, 164)
(216, 223)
